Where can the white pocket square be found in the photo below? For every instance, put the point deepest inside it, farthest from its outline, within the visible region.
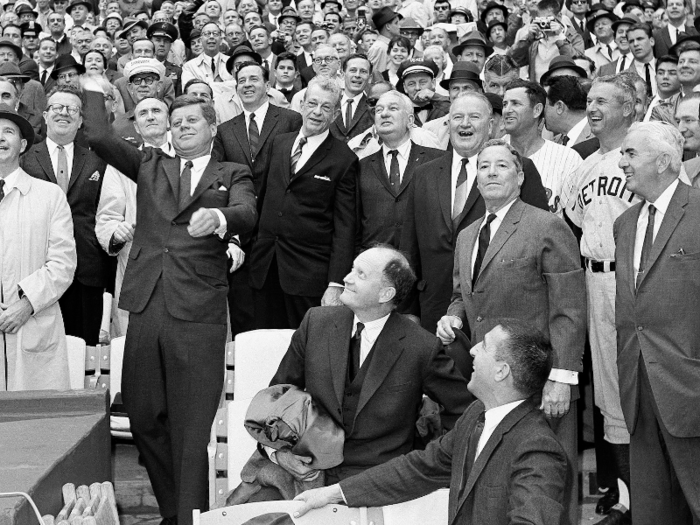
(322, 177)
(223, 188)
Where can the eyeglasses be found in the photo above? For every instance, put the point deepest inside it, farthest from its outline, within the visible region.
(68, 76)
(211, 34)
(142, 80)
(324, 60)
(59, 108)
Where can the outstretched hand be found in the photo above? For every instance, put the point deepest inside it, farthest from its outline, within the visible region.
(317, 498)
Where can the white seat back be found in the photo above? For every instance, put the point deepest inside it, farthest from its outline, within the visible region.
(258, 354)
(117, 361)
(76, 362)
(431, 509)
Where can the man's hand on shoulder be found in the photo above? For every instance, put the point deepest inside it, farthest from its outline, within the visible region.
(297, 466)
(331, 297)
(317, 498)
(556, 399)
(444, 328)
(203, 222)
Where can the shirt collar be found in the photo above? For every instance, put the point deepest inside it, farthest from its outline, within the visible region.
(372, 328)
(662, 202)
(11, 181)
(197, 164)
(259, 113)
(52, 146)
(500, 214)
(315, 141)
(457, 160)
(493, 416)
(404, 149)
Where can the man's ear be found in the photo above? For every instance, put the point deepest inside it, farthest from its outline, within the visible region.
(387, 294)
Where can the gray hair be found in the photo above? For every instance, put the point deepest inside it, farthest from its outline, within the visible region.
(500, 142)
(476, 95)
(663, 138)
(625, 87)
(325, 46)
(326, 84)
(404, 101)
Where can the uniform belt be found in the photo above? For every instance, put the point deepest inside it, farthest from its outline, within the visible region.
(600, 266)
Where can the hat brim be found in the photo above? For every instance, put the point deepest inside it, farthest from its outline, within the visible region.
(57, 71)
(503, 9)
(575, 67)
(673, 50)
(610, 16)
(445, 82)
(88, 5)
(18, 50)
(24, 127)
(20, 76)
(229, 63)
(126, 29)
(297, 18)
(457, 50)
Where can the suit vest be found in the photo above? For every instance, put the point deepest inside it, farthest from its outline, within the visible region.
(351, 393)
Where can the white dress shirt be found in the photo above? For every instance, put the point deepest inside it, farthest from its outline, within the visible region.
(576, 131)
(344, 105)
(312, 144)
(673, 30)
(260, 115)
(404, 150)
(471, 175)
(369, 335)
(53, 153)
(492, 418)
(198, 166)
(661, 205)
(640, 67)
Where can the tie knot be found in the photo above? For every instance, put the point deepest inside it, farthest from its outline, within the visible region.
(490, 218)
(60, 148)
(358, 330)
(252, 116)
(302, 141)
(2, 183)
(349, 102)
(652, 210)
(465, 162)
(188, 165)
(393, 153)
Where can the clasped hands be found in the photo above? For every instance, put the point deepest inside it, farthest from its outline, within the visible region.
(13, 316)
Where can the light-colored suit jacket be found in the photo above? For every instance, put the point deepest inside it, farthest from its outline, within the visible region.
(659, 319)
(532, 272)
(38, 254)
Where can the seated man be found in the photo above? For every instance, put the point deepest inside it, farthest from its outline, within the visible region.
(502, 462)
(369, 367)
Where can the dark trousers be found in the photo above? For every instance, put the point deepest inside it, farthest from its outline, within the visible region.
(275, 309)
(665, 470)
(566, 429)
(81, 307)
(172, 381)
(240, 300)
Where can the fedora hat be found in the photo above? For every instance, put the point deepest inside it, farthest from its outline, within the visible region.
(383, 17)
(289, 12)
(64, 62)
(562, 62)
(23, 124)
(11, 70)
(472, 39)
(494, 5)
(76, 3)
(240, 50)
(465, 71)
(599, 11)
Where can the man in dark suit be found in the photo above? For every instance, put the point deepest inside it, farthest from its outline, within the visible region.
(521, 262)
(306, 235)
(435, 216)
(385, 176)
(501, 462)
(678, 24)
(175, 290)
(247, 139)
(355, 116)
(80, 174)
(656, 312)
(369, 366)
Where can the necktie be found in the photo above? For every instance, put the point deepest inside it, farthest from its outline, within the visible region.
(2, 191)
(460, 191)
(623, 62)
(394, 173)
(213, 67)
(43, 77)
(648, 242)
(484, 240)
(474, 441)
(355, 347)
(609, 52)
(297, 154)
(565, 140)
(185, 184)
(348, 113)
(253, 136)
(647, 71)
(62, 175)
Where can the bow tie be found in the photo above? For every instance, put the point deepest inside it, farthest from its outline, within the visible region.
(428, 106)
(285, 91)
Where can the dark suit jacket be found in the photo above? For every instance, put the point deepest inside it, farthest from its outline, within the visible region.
(28, 67)
(381, 208)
(50, 84)
(428, 237)
(520, 476)
(362, 120)
(659, 320)
(231, 143)
(308, 220)
(532, 272)
(175, 74)
(440, 106)
(407, 362)
(662, 39)
(581, 30)
(95, 266)
(193, 271)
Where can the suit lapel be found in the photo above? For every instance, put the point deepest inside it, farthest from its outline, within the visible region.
(338, 344)
(286, 152)
(359, 112)
(78, 163)
(473, 196)
(241, 134)
(415, 159)
(628, 230)
(211, 173)
(269, 124)
(444, 183)
(508, 226)
(470, 241)
(379, 170)
(44, 160)
(171, 166)
(316, 156)
(387, 349)
(674, 213)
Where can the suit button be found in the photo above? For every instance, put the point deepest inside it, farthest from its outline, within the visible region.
(640, 328)
(165, 250)
(479, 319)
(279, 214)
(396, 199)
(173, 223)
(288, 191)
(276, 238)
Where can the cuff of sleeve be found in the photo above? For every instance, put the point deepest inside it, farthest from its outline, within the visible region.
(271, 454)
(221, 230)
(342, 495)
(564, 376)
(336, 285)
